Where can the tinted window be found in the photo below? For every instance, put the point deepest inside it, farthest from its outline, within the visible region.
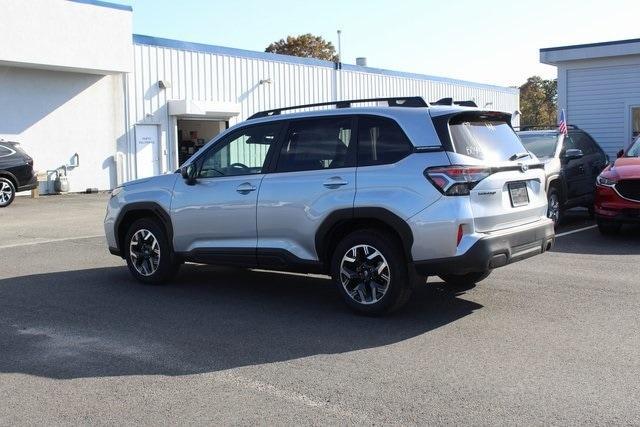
(543, 145)
(316, 144)
(584, 143)
(4, 151)
(568, 143)
(242, 153)
(380, 141)
(484, 137)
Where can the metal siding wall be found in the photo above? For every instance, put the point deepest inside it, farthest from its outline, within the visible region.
(597, 101)
(215, 77)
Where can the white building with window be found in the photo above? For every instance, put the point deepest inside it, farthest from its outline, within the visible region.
(599, 89)
(73, 79)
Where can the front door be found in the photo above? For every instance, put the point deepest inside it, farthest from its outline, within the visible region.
(314, 176)
(214, 219)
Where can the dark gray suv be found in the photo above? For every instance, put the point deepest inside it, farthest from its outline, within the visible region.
(571, 164)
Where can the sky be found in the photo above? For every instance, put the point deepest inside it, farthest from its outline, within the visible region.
(495, 42)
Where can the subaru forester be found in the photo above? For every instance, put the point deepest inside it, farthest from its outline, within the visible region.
(376, 196)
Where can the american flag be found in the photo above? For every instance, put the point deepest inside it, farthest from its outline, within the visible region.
(562, 126)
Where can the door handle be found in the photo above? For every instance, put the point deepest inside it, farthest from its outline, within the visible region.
(335, 182)
(245, 188)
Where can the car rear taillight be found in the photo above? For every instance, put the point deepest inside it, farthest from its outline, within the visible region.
(460, 234)
(456, 180)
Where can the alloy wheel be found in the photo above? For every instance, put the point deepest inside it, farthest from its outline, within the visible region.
(6, 192)
(144, 252)
(365, 274)
(553, 211)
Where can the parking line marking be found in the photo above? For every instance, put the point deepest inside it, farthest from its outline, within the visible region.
(62, 239)
(566, 233)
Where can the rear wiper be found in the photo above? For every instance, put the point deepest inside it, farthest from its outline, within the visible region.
(518, 156)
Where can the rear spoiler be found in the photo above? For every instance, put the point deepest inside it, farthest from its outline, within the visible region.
(14, 143)
(450, 101)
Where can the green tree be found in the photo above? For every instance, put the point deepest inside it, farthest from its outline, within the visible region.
(306, 46)
(538, 102)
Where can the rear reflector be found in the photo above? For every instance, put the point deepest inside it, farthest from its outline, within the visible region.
(456, 180)
(460, 234)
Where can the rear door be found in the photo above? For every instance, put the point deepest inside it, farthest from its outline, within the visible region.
(315, 175)
(510, 190)
(594, 159)
(15, 161)
(576, 171)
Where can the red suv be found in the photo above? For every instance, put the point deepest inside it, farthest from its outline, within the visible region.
(618, 191)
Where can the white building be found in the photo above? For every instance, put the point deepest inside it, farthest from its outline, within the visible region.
(73, 79)
(599, 88)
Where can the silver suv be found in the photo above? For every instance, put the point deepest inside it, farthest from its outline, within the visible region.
(376, 196)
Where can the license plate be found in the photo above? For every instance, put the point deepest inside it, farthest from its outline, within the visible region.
(518, 194)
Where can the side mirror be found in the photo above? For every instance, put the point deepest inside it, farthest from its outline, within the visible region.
(189, 173)
(573, 153)
(620, 153)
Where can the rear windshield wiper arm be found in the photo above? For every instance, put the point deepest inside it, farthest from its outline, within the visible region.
(518, 156)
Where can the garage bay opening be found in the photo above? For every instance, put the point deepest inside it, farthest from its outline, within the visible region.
(194, 134)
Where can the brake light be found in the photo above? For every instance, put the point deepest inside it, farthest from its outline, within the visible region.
(456, 180)
(460, 234)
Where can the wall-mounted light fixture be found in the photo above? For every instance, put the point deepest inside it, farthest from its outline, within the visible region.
(164, 84)
(265, 81)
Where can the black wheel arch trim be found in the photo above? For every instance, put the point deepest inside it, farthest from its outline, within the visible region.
(10, 176)
(153, 207)
(380, 214)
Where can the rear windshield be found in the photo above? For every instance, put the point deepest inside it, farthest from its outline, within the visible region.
(542, 145)
(484, 138)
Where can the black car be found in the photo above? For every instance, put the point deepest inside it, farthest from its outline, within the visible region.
(16, 172)
(571, 162)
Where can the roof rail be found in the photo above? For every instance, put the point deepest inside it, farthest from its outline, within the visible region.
(450, 101)
(401, 101)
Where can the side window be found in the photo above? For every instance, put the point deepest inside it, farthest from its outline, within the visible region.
(316, 144)
(242, 153)
(585, 143)
(4, 151)
(380, 141)
(568, 143)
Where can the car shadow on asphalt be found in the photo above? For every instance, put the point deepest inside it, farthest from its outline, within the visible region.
(592, 242)
(99, 322)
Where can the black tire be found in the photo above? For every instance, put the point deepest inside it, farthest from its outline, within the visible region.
(608, 228)
(400, 280)
(464, 280)
(7, 192)
(168, 264)
(554, 209)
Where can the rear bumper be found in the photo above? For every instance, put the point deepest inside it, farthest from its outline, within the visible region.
(495, 250)
(30, 185)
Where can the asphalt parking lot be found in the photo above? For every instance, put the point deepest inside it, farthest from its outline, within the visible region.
(551, 340)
